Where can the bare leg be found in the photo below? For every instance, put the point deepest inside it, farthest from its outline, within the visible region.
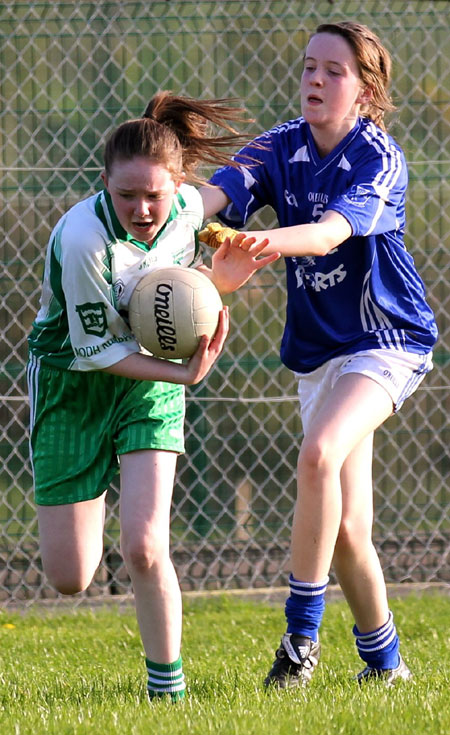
(356, 561)
(71, 542)
(355, 407)
(146, 493)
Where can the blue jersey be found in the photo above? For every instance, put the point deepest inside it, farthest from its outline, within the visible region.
(364, 294)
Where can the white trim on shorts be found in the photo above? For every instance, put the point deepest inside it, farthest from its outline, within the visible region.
(398, 372)
(33, 366)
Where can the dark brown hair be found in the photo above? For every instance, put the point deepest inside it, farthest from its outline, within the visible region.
(374, 63)
(178, 133)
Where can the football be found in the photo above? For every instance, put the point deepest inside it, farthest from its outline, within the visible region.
(171, 308)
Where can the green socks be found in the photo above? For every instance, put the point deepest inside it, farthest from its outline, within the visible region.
(165, 680)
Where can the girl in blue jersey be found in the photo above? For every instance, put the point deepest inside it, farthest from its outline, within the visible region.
(358, 332)
(95, 396)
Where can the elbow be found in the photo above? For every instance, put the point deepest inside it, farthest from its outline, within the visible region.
(333, 230)
(325, 247)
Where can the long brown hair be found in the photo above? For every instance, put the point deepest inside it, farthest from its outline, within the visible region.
(178, 133)
(374, 63)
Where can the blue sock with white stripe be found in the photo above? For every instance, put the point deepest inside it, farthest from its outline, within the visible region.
(165, 679)
(379, 649)
(305, 607)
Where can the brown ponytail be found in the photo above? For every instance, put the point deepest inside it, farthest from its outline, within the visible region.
(178, 132)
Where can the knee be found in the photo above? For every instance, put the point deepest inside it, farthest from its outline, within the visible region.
(68, 580)
(144, 555)
(316, 458)
(354, 535)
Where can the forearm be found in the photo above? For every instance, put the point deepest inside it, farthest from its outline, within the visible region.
(139, 366)
(317, 238)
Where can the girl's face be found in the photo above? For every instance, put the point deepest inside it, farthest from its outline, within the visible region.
(142, 193)
(331, 89)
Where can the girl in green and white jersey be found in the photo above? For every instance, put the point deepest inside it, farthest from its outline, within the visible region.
(95, 396)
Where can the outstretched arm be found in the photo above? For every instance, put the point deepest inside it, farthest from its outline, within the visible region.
(317, 238)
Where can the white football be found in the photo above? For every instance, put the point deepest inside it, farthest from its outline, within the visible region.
(171, 308)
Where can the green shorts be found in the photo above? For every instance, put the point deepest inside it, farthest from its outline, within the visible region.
(82, 421)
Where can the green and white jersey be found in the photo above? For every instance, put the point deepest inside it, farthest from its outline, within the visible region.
(91, 268)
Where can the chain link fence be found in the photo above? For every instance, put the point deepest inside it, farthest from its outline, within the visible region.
(72, 71)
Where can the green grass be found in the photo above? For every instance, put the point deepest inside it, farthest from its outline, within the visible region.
(83, 673)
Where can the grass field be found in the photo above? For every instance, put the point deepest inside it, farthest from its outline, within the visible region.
(83, 673)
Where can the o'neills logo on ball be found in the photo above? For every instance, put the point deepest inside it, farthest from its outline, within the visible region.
(163, 309)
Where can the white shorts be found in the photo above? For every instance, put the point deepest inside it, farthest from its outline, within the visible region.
(399, 373)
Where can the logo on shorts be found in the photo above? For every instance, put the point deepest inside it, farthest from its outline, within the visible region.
(93, 318)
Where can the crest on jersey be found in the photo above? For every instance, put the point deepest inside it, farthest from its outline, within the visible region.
(358, 196)
(118, 288)
(93, 318)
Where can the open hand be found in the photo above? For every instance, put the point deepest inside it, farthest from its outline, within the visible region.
(236, 260)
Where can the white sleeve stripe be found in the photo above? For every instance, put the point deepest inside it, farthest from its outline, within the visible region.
(376, 217)
(391, 168)
(390, 156)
